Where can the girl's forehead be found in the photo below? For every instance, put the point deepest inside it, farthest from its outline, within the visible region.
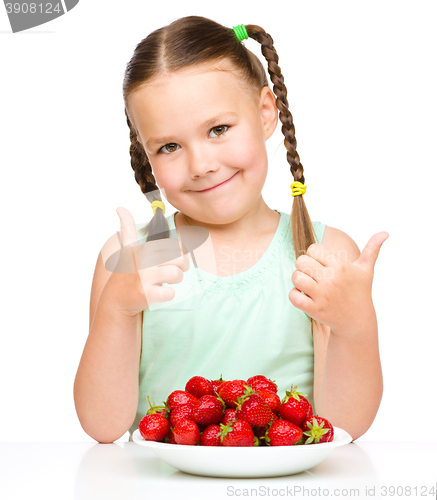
(196, 70)
(189, 93)
(188, 86)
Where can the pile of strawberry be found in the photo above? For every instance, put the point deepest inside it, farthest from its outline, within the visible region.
(235, 413)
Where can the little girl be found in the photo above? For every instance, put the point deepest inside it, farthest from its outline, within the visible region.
(264, 293)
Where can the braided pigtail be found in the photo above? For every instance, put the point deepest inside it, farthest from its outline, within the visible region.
(301, 225)
(158, 227)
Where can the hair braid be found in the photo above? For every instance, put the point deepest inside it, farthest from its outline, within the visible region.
(302, 227)
(158, 227)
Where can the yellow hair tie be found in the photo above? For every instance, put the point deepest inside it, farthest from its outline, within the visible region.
(297, 188)
(158, 204)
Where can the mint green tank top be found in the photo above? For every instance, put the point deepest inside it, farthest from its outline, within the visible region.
(235, 326)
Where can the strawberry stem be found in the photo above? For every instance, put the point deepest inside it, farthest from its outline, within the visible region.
(156, 409)
(315, 432)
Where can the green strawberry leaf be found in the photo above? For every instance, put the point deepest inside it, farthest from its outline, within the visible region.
(221, 401)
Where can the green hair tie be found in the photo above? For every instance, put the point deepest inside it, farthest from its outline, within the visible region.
(240, 32)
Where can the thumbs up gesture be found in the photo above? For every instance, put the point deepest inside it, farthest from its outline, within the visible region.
(141, 269)
(336, 292)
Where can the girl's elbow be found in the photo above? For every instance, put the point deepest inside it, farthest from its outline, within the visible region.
(106, 436)
(358, 429)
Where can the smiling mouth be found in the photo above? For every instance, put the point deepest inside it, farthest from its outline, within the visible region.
(218, 185)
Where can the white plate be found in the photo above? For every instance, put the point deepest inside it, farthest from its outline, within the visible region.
(263, 461)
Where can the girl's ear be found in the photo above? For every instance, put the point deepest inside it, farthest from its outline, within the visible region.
(269, 111)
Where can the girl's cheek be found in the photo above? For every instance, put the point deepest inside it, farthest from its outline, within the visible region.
(170, 182)
(165, 171)
(244, 155)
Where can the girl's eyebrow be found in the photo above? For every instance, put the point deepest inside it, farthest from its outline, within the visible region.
(218, 118)
(153, 141)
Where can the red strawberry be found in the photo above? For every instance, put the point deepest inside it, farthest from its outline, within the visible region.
(211, 436)
(318, 430)
(154, 427)
(177, 398)
(272, 399)
(231, 390)
(237, 433)
(170, 437)
(199, 386)
(295, 407)
(217, 383)
(254, 410)
(186, 432)
(163, 410)
(208, 410)
(310, 414)
(275, 417)
(283, 433)
(229, 416)
(260, 432)
(181, 411)
(260, 382)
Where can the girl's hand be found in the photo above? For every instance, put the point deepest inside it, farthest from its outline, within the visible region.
(140, 270)
(337, 293)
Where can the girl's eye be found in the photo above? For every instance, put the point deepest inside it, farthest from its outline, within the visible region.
(220, 130)
(171, 148)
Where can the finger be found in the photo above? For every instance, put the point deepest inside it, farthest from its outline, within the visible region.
(156, 276)
(182, 262)
(160, 294)
(162, 252)
(157, 293)
(128, 228)
(301, 301)
(153, 278)
(304, 283)
(310, 266)
(322, 255)
(370, 253)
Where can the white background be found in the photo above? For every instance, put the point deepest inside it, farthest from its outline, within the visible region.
(361, 85)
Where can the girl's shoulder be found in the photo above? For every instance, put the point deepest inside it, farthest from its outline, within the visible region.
(341, 243)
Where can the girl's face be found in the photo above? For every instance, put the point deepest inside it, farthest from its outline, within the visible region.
(200, 128)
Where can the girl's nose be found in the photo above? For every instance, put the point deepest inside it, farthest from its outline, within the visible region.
(201, 162)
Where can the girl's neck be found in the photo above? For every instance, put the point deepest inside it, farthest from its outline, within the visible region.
(261, 220)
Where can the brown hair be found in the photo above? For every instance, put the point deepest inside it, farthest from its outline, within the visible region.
(195, 40)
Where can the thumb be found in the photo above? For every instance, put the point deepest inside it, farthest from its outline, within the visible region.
(127, 224)
(370, 253)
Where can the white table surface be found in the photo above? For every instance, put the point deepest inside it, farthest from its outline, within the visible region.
(84, 471)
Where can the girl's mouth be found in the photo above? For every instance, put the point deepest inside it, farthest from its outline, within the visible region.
(218, 185)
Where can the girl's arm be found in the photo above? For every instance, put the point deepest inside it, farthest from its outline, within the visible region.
(106, 388)
(351, 385)
(347, 368)
(106, 383)
(320, 341)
